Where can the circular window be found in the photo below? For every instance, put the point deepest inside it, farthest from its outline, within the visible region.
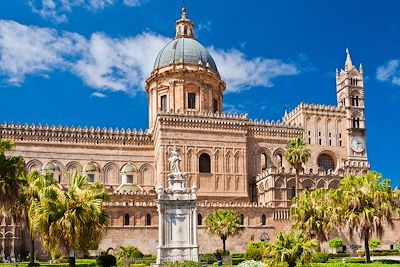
(326, 162)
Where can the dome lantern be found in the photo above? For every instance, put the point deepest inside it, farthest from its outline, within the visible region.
(184, 27)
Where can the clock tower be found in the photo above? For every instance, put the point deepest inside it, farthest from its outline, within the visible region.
(350, 97)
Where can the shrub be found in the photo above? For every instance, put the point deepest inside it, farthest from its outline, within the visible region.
(320, 257)
(386, 261)
(106, 260)
(383, 252)
(181, 264)
(207, 258)
(253, 254)
(338, 255)
(251, 263)
(355, 260)
(138, 265)
(226, 253)
(336, 243)
(238, 255)
(397, 246)
(236, 261)
(255, 244)
(374, 243)
(33, 264)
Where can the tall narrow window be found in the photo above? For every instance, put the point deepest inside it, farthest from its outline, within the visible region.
(263, 219)
(292, 192)
(129, 179)
(241, 219)
(279, 158)
(164, 103)
(148, 219)
(126, 219)
(263, 160)
(215, 105)
(199, 219)
(356, 101)
(204, 163)
(191, 100)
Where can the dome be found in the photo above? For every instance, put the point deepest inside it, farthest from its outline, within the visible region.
(185, 51)
(90, 167)
(129, 169)
(50, 167)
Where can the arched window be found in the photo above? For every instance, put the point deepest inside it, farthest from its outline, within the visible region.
(356, 123)
(263, 219)
(326, 162)
(241, 219)
(126, 219)
(292, 192)
(204, 163)
(148, 219)
(199, 219)
(263, 159)
(280, 160)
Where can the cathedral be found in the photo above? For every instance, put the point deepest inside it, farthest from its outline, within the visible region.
(236, 162)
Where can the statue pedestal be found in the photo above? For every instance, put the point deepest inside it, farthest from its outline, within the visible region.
(177, 209)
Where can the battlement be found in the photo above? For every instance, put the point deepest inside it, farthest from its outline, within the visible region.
(74, 135)
(315, 108)
(339, 173)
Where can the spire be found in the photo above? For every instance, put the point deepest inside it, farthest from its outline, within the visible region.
(184, 26)
(348, 64)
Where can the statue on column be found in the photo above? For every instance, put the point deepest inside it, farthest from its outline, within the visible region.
(174, 159)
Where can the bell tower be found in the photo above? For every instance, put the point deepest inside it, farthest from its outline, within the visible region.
(350, 97)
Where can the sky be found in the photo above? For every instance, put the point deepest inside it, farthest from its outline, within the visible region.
(84, 62)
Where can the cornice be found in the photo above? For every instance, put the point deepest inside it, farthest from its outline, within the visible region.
(75, 135)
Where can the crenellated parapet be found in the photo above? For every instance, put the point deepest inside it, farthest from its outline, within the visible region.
(316, 109)
(202, 120)
(75, 135)
(261, 128)
(273, 171)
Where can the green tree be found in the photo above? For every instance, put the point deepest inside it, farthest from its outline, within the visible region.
(364, 204)
(290, 247)
(70, 219)
(336, 243)
(11, 169)
(297, 154)
(224, 223)
(310, 214)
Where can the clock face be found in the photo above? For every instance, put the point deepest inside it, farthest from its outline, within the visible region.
(357, 143)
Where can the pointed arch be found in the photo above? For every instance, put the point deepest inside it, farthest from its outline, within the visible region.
(239, 162)
(73, 168)
(321, 183)
(147, 175)
(111, 174)
(189, 160)
(228, 162)
(34, 165)
(218, 161)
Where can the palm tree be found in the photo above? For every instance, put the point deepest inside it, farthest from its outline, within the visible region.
(31, 186)
(310, 214)
(11, 168)
(297, 154)
(290, 247)
(72, 218)
(364, 204)
(224, 223)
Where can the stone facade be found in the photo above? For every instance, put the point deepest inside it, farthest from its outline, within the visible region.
(235, 162)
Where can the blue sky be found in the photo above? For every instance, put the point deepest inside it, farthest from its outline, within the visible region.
(84, 62)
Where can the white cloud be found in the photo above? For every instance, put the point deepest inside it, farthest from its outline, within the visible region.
(26, 50)
(389, 72)
(112, 64)
(119, 64)
(98, 95)
(57, 10)
(241, 73)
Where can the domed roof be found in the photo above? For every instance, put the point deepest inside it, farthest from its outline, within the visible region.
(50, 167)
(185, 51)
(129, 169)
(90, 167)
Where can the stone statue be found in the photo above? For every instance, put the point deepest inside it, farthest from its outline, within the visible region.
(174, 159)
